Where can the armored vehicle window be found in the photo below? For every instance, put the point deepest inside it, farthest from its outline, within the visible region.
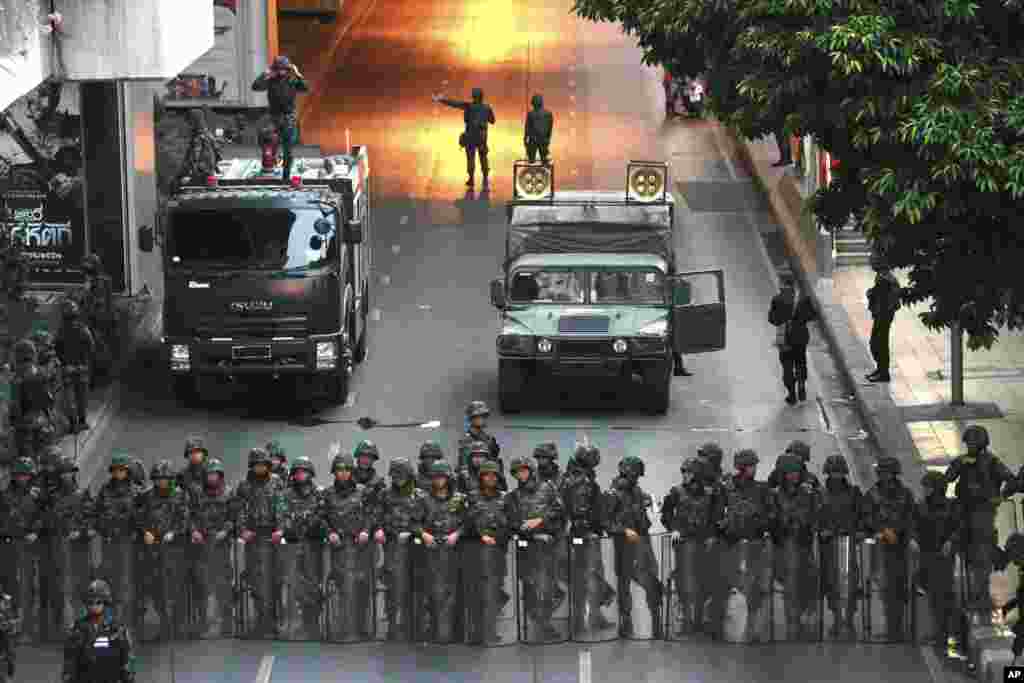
(627, 286)
(277, 238)
(547, 287)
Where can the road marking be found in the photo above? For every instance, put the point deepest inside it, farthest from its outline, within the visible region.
(585, 665)
(403, 220)
(385, 279)
(266, 669)
(349, 402)
(935, 671)
(424, 307)
(572, 98)
(572, 114)
(572, 84)
(395, 248)
(375, 314)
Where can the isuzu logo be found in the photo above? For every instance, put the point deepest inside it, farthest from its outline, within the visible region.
(249, 306)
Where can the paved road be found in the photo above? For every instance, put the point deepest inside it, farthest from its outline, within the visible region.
(432, 338)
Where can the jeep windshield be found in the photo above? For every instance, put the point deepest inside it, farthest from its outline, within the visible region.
(238, 238)
(588, 286)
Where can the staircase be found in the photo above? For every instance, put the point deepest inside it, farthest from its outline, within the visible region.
(852, 248)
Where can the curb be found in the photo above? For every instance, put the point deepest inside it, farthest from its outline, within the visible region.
(882, 417)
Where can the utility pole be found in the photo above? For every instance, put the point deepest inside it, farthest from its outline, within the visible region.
(956, 361)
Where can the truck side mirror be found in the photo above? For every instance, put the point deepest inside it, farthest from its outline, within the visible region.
(498, 293)
(316, 242)
(147, 238)
(681, 295)
(354, 233)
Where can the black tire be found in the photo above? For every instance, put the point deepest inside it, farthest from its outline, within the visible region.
(660, 395)
(337, 387)
(185, 390)
(511, 386)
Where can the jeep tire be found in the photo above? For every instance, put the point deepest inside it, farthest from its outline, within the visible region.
(511, 386)
(659, 393)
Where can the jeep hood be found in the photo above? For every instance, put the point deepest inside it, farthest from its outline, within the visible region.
(543, 320)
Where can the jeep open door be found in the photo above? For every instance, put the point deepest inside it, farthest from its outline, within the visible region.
(698, 311)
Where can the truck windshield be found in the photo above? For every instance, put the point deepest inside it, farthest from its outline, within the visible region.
(273, 238)
(548, 286)
(604, 286)
(627, 287)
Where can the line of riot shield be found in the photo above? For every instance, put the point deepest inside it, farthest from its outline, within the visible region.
(118, 567)
(543, 610)
(350, 583)
(796, 607)
(20, 575)
(887, 617)
(842, 597)
(164, 605)
(436, 598)
(693, 580)
(394, 600)
(214, 588)
(744, 608)
(593, 602)
(72, 566)
(260, 589)
(638, 585)
(487, 588)
(302, 590)
(936, 598)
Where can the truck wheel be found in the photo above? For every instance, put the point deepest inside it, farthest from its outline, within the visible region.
(660, 393)
(511, 386)
(337, 387)
(185, 390)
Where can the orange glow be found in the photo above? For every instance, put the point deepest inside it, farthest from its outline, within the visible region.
(491, 33)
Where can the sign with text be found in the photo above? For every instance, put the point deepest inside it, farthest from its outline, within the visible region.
(53, 237)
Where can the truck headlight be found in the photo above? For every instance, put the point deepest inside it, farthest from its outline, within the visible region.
(181, 357)
(544, 346)
(620, 346)
(326, 355)
(658, 328)
(515, 343)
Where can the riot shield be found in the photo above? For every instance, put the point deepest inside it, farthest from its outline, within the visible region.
(593, 604)
(214, 612)
(436, 598)
(163, 592)
(488, 585)
(118, 565)
(936, 600)
(744, 607)
(887, 591)
(394, 602)
(543, 610)
(70, 570)
(20, 574)
(692, 579)
(350, 583)
(639, 588)
(259, 588)
(796, 607)
(302, 590)
(842, 598)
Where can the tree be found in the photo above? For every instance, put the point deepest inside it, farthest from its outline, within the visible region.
(918, 102)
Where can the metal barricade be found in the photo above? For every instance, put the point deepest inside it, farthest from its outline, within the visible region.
(302, 590)
(437, 591)
(488, 587)
(842, 598)
(542, 605)
(259, 589)
(350, 583)
(745, 613)
(935, 598)
(593, 602)
(20, 572)
(215, 608)
(119, 560)
(887, 614)
(72, 565)
(394, 608)
(693, 580)
(639, 588)
(162, 592)
(796, 603)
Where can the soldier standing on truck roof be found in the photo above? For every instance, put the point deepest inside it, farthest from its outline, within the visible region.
(537, 131)
(282, 81)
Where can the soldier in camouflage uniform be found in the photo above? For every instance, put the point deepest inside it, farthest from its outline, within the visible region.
(138, 477)
(1015, 554)
(21, 523)
(937, 527)
(99, 648)
(889, 516)
(477, 413)
(440, 524)
(8, 630)
(399, 505)
(31, 410)
(711, 455)
(798, 504)
(116, 516)
(279, 459)
(469, 475)
(99, 313)
(802, 451)
(366, 456)
(48, 478)
(50, 365)
(76, 348)
(488, 530)
(262, 511)
(302, 570)
(192, 478)
(839, 537)
(546, 455)
(347, 522)
(691, 512)
(212, 528)
(430, 452)
(164, 525)
(203, 152)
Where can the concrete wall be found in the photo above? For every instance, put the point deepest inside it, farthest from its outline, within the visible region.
(24, 49)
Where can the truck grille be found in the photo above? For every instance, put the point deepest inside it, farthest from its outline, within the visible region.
(252, 326)
(584, 347)
(583, 324)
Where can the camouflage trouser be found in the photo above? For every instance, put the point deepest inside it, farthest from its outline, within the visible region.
(287, 126)
(32, 434)
(76, 380)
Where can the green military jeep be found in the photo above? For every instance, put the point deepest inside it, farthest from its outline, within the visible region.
(590, 288)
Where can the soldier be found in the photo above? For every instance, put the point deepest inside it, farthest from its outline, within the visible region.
(546, 455)
(50, 365)
(629, 526)
(8, 630)
(440, 522)
(537, 132)
(711, 454)
(192, 479)
(399, 505)
(99, 648)
(488, 526)
(98, 309)
(430, 452)
(138, 476)
(798, 504)
(15, 269)
(347, 522)
(31, 411)
(366, 456)
(801, 450)
(537, 515)
(21, 522)
(48, 478)
(982, 482)
(302, 570)
(212, 526)
(477, 115)
(164, 524)
(692, 511)
(839, 536)
(116, 516)
(937, 529)
(203, 152)
(889, 515)
(1015, 554)
(279, 459)
(469, 474)
(282, 81)
(262, 511)
(477, 413)
(76, 348)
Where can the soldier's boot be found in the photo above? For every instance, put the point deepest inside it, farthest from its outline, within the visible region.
(625, 624)
(657, 623)
(801, 390)
(557, 598)
(607, 593)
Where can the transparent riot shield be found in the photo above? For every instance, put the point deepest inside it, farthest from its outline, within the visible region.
(639, 588)
(842, 598)
(302, 590)
(394, 599)
(887, 591)
(214, 583)
(796, 604)
(69, 571)
(350, 584)
(593, 602)
(436, 594)
(20, 572)
(744, 608)
(163, 592)
(542, 605)
(118, 567)
(259, 589)
(936, 599)
(488, 585)
(692, 580)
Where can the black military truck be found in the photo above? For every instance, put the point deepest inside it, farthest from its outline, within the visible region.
(269, 280)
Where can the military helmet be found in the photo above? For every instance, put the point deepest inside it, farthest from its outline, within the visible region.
(367, 448)
(479, 448)
(92, 263)
(441, 468)
(67, 464)
(1015, 547)
(799, 449)
(99, 590)
(196, 443)
(693, 466)
(976, 435)
(259, 456)
(400, 466)
(432, 450)
(70, 309)
(282, 62)
(632, 462)
(42, 339)
(162, 470)
(303, 463)
(888, 463)
(477, 409)
(745, 458)
(342, 461)
(274, 449)
(789, 463)
(489, 466)
(710, 449)
(137, 471)
(477, 93)
(215, 465)
(836, 464)
(548, 449)
(24, 348)
(519, 462)
(121, 459)
(24, 466)
(587, 455)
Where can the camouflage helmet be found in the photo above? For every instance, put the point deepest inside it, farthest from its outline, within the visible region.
(1015, 547)
(800, 449)
(369, 448)
(632, 463)
(441, 468)
(303, 463)
(976, 435)
(934, 479)
(274, 449)
(99, 590)
(692, 465)
(25, 349)
(343, 461)
(42, 339)
(259, 456)
(489, 466)
(519, 462)
(709, 450)
(92, 263)
(888, 463)
(587, 455)
(162, 470)
(67, 464)
(70, 309)
(196, 443)
(789, 463)
(546, 450)
(121, 459)
(431, 450)
(138, 471)
(24, 466)
(214, 465)
(400, 467)
(477, 409)
(836, 464)
(745, 458)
